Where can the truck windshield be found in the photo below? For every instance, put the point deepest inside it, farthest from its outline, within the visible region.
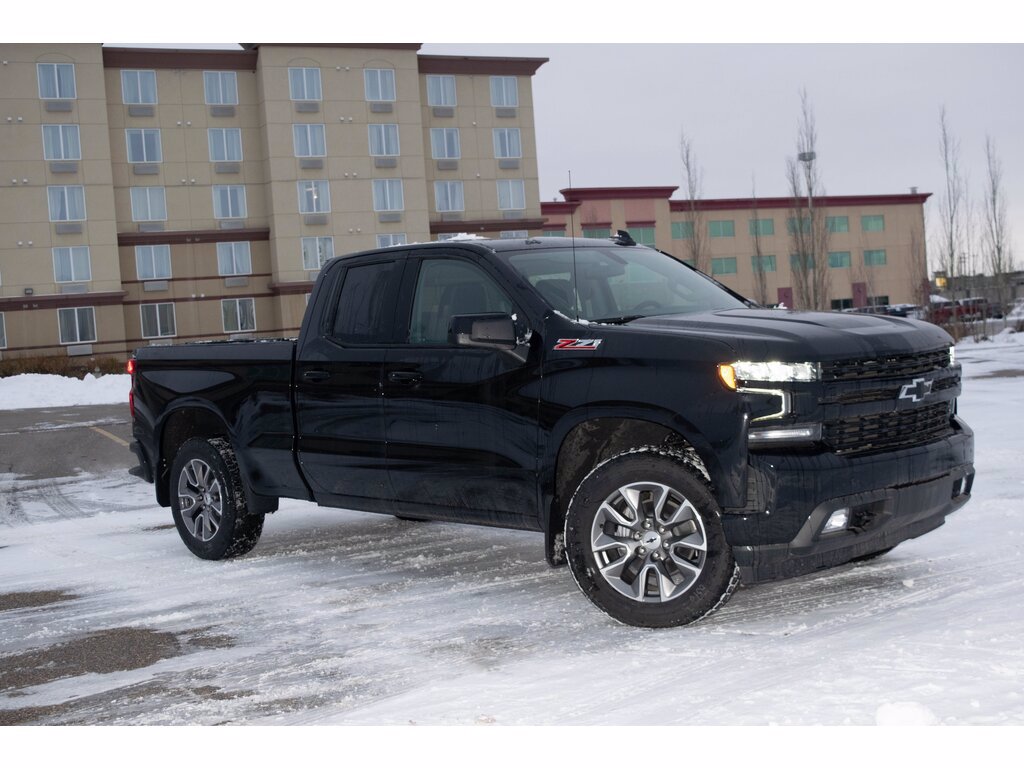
(618, 284)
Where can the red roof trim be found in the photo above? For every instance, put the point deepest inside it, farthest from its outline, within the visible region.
(173, 58)
(641, 223)
(384, 46)
(617, 193)
(48, 301)
(479, 65)
(559, 208)
(182, 236)
(484, 225)
(830, 201)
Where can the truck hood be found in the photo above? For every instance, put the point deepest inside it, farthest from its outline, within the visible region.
(789, 335)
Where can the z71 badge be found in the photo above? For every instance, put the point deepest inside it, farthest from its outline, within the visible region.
(574, 344)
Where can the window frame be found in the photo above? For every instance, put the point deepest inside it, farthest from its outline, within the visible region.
(722, 229)
(757, 263)
(503, 81)
(151, 250)
(848, 260)
(234, 256)
(683, 230)
(78, 326)
(56, 80)
(755, 227)
(511, 184)
(314, 185)
(237, 301)
(837, 224)
(719, 261)
(874, 254)
(448, 187)
(321, 260)
(70, 252)
(443, 102)
(211, 132)
(387, 185)
(445, 133)
(143, 133)
(305, 85)
(385, 129)
(61, 127)
(380, 85)
(879, 217)
(3, 332)
(496, 132)
(138, 82)
(306, 128)
(159, 330)
(391, 236)
(244, 204)
(220, 73)
(64, 194)
(149, 202)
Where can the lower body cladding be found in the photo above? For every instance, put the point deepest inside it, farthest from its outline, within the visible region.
(818, 510)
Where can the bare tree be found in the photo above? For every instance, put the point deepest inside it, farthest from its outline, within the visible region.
(693, 181)
(952, 202)
(760, 276)
(809, 229)
(917, 268)
(998, 254)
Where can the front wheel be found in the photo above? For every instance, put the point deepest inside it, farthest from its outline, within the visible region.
(645, 543)
(208, 501)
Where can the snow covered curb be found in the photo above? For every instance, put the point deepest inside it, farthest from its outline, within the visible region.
(46, 390)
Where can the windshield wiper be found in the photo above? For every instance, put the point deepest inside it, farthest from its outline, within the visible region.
(618, 320)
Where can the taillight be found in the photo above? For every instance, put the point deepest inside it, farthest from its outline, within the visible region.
(130, 367)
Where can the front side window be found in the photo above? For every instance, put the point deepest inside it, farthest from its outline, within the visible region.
(144, 145)
(507, 143)
(448, 196)
(384, 140)
(67, 203)
(444, 144)
(238, 315)
(234, 259)
(61, 142)
(304, 83)
(449, 287)
(388, 195)
(56, 81)
(149, 204)
(759, 227)
(763, 263)
(220, 87)
(872, 223)
(310, 140)
(72, 265)
(138, 86)
(724, 228)
(875, 258)
(314, 196)
(380, 84)
(229, 201)
(316, 251)
(157, 320)
(153, 262)
(504, 91)
(724, 266)
(839, 259)
(366, 305)
(511, 195)
(386, 241)
(441, 90)
(77, 325)
(225, 145)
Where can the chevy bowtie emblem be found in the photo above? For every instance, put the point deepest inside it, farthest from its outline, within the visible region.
(917, 390)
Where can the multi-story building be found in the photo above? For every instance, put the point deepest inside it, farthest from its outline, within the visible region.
(156, 195)
(875, 244)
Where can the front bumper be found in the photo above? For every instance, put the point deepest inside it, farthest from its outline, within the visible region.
(892, 496)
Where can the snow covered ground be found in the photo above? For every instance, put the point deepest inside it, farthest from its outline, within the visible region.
(45, 390)
(342, 617)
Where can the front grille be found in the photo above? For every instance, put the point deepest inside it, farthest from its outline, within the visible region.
(888, 366)
(885, 393)
(888, 431)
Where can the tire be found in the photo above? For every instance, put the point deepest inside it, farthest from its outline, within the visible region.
(208, 501)
(645, 542)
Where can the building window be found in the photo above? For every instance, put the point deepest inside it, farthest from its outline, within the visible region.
(598, 232)
(839, 259)
(551, 232)
(310, 139)
(77, 325)
(380, 84)
(504, 91)
(872, 223)
(840, 304)
(225, 145)
(72, 265)
(386, 241)
(444, 144)
(724, 228)
(220, 87)
(316, 251)
(388, 195)
(56, 81)
(513, 234)
(157, 320)
(805, 225)
(234, 259)
(66, 203)
(149, 204)
(762, 227)
(642, 235)
(3, 332)
(724, 266)
(384, 140)
(794, 261)
(874, 258)
(448, 196)
(153, 262)
(314, 196)
(304, 83)
(511, 195)
(441, 90)
(837, 223)
(682, 230)
(763, 263)
(878, 301)
(61, 142)
(229, 201)
(507, 143)
(239, 315)
(143, 145)
(138, 86)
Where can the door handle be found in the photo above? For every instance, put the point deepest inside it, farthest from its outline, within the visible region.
(316, 374)
(405, 377)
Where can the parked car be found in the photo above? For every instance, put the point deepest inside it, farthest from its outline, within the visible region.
(906, 310)
(973, 309)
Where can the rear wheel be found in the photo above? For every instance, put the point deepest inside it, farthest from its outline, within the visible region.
(208, 501)
(645, 543)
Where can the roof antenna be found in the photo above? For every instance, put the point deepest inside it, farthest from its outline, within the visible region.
(572, 237)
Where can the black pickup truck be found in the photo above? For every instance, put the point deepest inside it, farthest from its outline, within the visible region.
(667, 436)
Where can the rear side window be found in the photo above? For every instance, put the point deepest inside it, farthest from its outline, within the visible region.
(367, 302)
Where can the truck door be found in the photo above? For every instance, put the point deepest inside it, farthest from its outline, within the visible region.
(461, 422)
(340, 417)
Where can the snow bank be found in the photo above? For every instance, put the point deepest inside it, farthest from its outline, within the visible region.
(45, 390)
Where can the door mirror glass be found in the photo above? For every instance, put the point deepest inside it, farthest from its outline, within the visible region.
(490, 331)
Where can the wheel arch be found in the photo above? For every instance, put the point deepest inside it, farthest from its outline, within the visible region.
(183, 422)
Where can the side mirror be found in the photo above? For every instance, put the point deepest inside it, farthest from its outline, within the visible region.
(490, 331)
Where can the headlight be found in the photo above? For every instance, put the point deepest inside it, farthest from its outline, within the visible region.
(952, 356)
(731, 373)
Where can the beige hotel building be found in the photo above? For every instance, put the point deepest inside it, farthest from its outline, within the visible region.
(149, 196)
